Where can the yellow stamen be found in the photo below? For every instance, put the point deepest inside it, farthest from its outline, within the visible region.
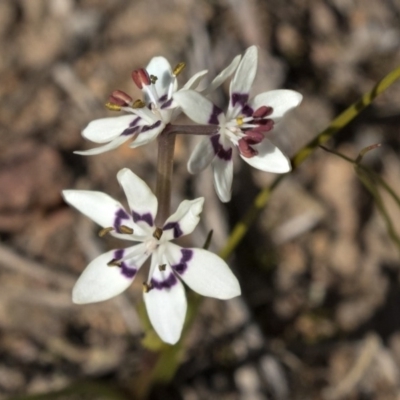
(147, 287)
(125, 229)
(158, 233)
(162, 267)
(153, 79)
(113, 107)
(179, 68)
(239, 121)
(104, 231)
(138, 104)
(114, 263)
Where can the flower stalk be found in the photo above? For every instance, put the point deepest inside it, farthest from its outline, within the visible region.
(165, 166)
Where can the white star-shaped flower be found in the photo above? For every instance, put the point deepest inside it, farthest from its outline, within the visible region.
(245, 125)
(147, 120)
(112, 272)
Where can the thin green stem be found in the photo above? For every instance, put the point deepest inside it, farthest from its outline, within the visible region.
(371, 187)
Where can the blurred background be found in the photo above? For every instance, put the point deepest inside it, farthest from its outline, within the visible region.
(319, 316)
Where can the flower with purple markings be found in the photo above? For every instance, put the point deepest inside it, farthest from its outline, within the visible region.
(146, 119)
(112, 272)
(245, 125)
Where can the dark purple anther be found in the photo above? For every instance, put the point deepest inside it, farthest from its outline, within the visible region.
(141, 78)
(182, 266)
(175, 226)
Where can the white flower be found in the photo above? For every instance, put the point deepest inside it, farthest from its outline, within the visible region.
(146, 120)
(244, 125)
(111, 273)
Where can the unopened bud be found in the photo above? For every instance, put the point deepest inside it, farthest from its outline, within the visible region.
(141, 78)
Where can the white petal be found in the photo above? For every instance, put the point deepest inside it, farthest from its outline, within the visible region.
(161, 68)
(204, 272)
(223, 176)
(246, 72)
(194, 81)
(99, 207)
(281, 101)
(107, 147)
(100, 282)
(269, 158)
(106, 129)
(141, 199)
(201, 157)
(166, 305)
(222, 76)
(197, 107)
(148, 135)
(184, 220)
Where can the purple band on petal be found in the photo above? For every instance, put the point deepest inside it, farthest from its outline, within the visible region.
(118, 254)
(132, 128)
(147, 217)
(163, 98)
(240, 98)
(182, 266)
(166, 104)
(119, 216)
(167, 283)
(214, 115)
(175, 226)
(149, 127)
(127, 271)
(219, 150)
(247, 110)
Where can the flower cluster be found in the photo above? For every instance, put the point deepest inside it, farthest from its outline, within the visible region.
(245, 125)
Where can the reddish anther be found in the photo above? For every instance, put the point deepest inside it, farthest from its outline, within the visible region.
(262, 112)
(253, 137)
(120, 98)
(264, 125)
(246, 150)
(141, 78)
